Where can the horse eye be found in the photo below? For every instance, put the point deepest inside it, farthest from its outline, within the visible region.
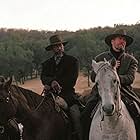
(7, 99)
(97, 84)
(1, 100)
(114, 81)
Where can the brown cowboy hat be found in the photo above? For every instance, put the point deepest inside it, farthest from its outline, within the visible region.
(54, 40)
(116, 33)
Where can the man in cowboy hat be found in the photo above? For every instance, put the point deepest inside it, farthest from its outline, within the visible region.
(126, 68)
(60, 73)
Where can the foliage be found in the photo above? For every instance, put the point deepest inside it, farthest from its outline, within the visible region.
(24, 50)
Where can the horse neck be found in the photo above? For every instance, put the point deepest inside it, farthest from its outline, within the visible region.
(29, 119)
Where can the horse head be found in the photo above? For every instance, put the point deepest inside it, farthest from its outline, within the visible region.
(108, 83)
(8, 104)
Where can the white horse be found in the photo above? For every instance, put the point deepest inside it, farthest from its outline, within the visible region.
(112, 120)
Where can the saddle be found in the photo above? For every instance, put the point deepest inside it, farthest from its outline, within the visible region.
(131, 101)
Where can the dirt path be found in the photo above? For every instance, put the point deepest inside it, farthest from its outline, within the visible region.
(36, 85)
(81, 85)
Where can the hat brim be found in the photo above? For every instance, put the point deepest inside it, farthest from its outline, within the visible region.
(50, 47)
(128, 39)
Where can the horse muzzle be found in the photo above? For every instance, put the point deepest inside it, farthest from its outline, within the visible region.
(108, 109)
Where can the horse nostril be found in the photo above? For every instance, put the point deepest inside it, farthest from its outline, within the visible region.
(108, 108)
(112, 107)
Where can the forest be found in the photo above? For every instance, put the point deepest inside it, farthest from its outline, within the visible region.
(22, 51)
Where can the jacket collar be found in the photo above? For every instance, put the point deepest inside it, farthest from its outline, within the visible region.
(116, 54)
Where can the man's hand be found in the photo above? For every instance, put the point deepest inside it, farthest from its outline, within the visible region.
(47, 88)
(55, 86)
(118, 64)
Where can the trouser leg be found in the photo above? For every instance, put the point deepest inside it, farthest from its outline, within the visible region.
(75, 115)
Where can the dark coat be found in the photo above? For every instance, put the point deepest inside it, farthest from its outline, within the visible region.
(65, 73)
(127, 69)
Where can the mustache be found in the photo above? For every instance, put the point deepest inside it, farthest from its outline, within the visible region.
(121, 49)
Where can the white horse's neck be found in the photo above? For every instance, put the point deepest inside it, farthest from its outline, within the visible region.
(115, 127)
(111, 120)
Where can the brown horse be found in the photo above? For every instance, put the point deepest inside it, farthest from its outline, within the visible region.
(40, 118)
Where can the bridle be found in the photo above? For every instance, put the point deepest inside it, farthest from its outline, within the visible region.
(119, 109)
(6, 123)
(9, 96)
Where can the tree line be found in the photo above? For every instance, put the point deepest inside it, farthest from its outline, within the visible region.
(23, 51)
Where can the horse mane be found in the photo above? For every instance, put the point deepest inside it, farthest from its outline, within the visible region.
(38, 123)
(32, 98)
(29, 96)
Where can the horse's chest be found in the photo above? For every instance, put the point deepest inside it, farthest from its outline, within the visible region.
(114, 137)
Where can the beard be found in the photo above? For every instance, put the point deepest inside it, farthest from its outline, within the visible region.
(59, 53)
(120, 48)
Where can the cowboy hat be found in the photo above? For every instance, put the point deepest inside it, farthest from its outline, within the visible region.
(117, 33)
(54, 40)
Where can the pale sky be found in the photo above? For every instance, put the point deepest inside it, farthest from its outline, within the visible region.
(68, 15)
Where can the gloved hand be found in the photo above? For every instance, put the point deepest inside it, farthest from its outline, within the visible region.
(118, 64)
(56, 87)
(47, 88)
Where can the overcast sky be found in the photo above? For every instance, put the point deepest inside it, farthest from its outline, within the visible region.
(68, 15)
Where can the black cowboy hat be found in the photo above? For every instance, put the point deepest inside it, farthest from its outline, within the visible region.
(54, 40)
(119, 32)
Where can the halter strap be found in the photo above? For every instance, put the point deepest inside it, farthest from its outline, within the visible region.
(101, 67)
(109, 68)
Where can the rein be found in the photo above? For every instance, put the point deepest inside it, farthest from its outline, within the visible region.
(38, 106)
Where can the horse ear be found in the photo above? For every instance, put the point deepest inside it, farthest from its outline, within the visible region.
(8, 83)
(94, 66)
(113, 62)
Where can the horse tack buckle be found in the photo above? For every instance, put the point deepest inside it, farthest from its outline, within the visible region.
(56, 105)
(2, 129)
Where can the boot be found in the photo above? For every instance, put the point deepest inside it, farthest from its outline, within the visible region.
(75, 116)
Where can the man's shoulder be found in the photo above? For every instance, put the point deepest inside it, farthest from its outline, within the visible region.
(49, 60)
(70, 57)
(131, 57)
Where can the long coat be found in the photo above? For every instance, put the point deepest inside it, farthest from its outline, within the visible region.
(127, 69)
(65, 73)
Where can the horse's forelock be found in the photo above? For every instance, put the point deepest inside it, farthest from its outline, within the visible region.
(103, 65)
